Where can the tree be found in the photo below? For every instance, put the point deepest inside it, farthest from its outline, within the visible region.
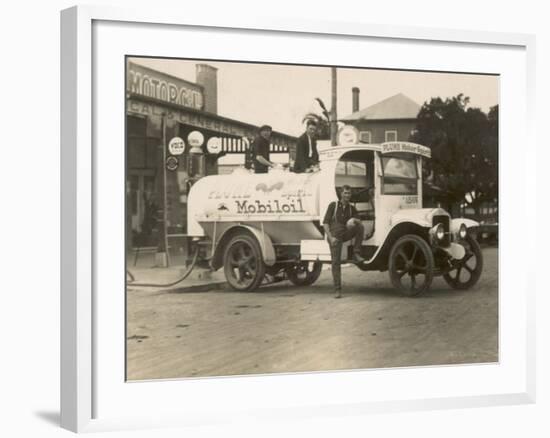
(322, 120)
(464, 143)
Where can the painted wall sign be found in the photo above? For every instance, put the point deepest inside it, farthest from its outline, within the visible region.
(206, 121)
(152, 83)
(176, 146)
(203, 120)
(403, 146)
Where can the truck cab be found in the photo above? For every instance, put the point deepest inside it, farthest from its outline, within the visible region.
(381, 183)
(384, 179)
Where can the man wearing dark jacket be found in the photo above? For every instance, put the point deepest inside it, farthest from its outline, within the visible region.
(259, 150)
(306, 148)
(341, 223)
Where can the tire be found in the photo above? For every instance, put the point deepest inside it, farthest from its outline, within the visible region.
(411, 257)
(243, 264)
(304, 273)
(472, 263)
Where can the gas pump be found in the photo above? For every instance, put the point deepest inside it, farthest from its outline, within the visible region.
(196, 164)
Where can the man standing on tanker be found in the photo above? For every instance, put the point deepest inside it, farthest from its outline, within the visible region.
(341, 223)
(260, 150)
(306, 148)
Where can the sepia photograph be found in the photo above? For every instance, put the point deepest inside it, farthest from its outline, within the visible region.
(285, 218)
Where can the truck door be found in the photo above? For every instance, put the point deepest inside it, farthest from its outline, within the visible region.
(356, 169)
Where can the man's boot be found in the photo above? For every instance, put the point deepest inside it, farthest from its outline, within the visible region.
(357, 258)
(337, 293)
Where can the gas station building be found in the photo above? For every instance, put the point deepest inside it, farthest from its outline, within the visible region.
(160, 110)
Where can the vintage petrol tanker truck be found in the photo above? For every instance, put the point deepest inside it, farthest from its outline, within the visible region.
(257, 224)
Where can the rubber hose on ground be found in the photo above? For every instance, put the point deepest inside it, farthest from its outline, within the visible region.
(179, 280)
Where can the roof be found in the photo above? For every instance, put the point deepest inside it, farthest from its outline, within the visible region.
(394, 107)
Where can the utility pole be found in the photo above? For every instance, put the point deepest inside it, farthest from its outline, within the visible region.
(333, 116)
(162, 255)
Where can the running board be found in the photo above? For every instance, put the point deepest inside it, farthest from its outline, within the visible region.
(319, 250)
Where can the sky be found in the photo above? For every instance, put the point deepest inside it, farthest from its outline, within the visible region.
(280, 95)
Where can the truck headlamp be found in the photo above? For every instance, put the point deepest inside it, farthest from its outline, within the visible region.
(439, 232)
(463, 231)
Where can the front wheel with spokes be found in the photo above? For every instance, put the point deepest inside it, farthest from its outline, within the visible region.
(243, 264)
(411, 265)
(466, 272)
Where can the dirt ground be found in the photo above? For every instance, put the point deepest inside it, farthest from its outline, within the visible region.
(282, 328)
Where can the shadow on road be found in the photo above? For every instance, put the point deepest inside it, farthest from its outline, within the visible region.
(284, 289)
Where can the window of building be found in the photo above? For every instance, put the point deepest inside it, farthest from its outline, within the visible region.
(141, 149)
(365, 137)
(390, 136)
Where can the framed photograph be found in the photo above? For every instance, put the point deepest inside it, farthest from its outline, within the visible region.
(280, 220)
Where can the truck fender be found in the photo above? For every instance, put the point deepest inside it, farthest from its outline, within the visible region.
(266, 245)
(456, 223)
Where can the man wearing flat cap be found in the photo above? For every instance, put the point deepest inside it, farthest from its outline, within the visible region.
(260, 150)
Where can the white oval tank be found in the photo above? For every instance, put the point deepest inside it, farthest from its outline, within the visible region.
(245, 197)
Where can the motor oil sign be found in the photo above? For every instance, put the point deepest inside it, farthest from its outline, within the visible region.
(176, 146)
(269, 195)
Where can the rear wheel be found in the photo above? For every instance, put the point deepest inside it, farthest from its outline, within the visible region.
(411, 265)
(243, 264)
(304, 273)
(466, 272)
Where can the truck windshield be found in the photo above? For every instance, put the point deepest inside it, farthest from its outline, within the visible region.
(400, 175)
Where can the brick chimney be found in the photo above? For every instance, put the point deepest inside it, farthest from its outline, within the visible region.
(354, 99)
(207, 76)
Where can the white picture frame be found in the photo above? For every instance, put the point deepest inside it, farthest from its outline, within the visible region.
(83, 386)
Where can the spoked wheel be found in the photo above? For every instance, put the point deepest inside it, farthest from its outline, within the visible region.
(411, 265)
(466, 272)
(304, 273)
(243, 265)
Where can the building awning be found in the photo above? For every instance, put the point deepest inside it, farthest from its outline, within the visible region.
(233, 129)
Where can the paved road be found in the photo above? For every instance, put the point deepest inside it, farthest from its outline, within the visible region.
(283, 328)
